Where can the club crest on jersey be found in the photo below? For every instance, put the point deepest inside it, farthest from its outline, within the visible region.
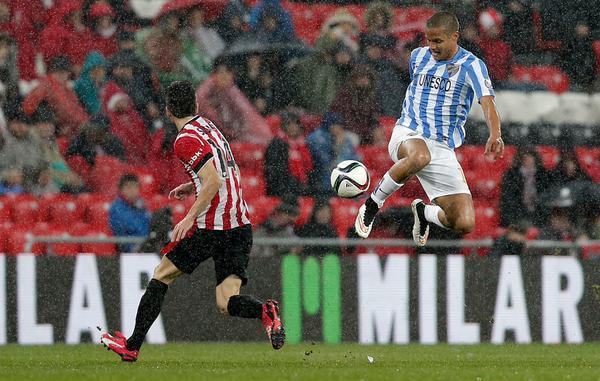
(452, 69)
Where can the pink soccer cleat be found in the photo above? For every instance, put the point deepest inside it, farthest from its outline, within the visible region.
(118, 344)
(272, 323)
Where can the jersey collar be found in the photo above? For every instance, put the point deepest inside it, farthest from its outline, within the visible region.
(459, 53)
(188, 122)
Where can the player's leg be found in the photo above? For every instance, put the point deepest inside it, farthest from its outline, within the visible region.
(179, 257)
(148, 310)
(410, 154)
(454, 212)
(231, 261)
(151, 303)
(444, 182)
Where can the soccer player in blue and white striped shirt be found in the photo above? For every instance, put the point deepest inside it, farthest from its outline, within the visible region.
(445, 79)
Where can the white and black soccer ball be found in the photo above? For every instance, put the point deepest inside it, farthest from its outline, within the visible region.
(350, 178)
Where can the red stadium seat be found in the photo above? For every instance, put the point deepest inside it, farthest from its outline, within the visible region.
(487, 220)
(550, 76)
(105, 175)
(155, 202)
(463, 159)
(97, 214)
(387, 123)
(344, 213)
(589, 160)
(486, 226)
(261, 207)
(484, 187)
(397, 200)
(357, 11)
(249, 156)
(63, 144)
(62, 249)
(26, 211)
(80, 166)
(62, 211)
(17, 238)
(550, 156)
(307, 20)
(5, 231)
(84, 230)
(253, 185)
(149, 183)
(532, 233)
(412, 189)
(486, 164)
(274, 122)
(377, 160)
(483, 173)
(590, 252)
(86, 199)
(179, 209)
(306, 205)
(6, 208)
(410, 21)
(466, 155)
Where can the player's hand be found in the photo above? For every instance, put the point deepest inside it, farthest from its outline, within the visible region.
(182, 228)
(182, 191)
(494, 147)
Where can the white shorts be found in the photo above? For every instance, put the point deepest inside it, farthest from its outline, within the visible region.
(443, 175)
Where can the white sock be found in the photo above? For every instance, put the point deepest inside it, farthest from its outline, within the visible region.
(432, 215)
(386, 187)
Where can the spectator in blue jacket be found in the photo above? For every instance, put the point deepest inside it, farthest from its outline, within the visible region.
(270, 23)
(329, 145)
(127, 215)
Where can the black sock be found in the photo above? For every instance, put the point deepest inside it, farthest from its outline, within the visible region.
(244, 306)
(148, 310)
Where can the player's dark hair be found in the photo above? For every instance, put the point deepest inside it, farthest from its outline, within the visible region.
(127, 178)
(181, 99)
(444, 20)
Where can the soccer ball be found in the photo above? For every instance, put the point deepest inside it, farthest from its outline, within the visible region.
(350, 178)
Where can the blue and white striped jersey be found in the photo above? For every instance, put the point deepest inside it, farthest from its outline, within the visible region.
(440, 94)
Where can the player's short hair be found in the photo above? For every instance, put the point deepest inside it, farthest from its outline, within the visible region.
(444, 20)
(126, 179)
(181, 99)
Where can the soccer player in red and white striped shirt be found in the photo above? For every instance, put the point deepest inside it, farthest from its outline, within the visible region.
(217, 226)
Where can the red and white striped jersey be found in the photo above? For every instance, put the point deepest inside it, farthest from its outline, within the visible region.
(197, 143)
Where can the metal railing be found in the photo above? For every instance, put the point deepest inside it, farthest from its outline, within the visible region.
(327, 242)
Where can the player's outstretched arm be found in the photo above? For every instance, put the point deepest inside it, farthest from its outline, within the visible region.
(182, 191)
(494, 145)
(211, 182)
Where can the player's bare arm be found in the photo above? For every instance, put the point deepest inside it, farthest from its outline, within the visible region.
(211, 182)
(494, 144)
(182, 191)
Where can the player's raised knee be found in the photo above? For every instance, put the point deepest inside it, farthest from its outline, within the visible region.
(420, 159)
(464, 224)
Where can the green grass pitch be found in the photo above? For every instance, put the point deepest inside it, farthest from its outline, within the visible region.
(345, 362)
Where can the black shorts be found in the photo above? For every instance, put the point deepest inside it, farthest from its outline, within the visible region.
(229, 249)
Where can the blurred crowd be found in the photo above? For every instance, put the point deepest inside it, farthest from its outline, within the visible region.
(84, 79)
